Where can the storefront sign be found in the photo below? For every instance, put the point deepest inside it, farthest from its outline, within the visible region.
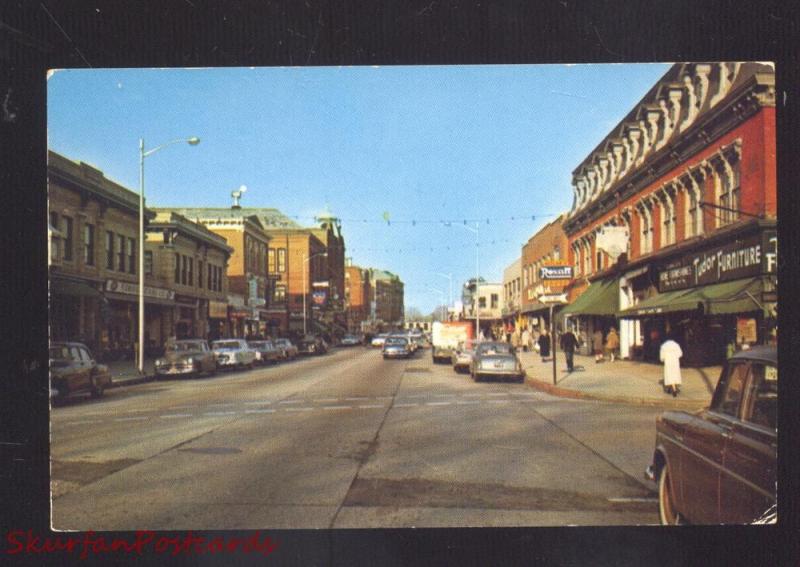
(744, 257)
(556, 272)
(133, 289)
(217, 309)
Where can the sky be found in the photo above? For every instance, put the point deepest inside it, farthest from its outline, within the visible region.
(403, 155)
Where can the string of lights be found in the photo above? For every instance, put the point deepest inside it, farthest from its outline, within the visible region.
(429, 248)
(387, 220)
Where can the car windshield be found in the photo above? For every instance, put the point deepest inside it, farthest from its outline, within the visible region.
(59, 353)
(226, 344)
(494, 348)
(183, 346)
(395, 341)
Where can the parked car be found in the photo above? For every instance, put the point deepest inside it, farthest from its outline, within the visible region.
(288, 349)
(350, 340)
(462, 356)
(396, 347)
(233, 353)
(719, 465)
(496, 360)
(379, 339)
(186, 356)
(74, 369)
(266, 352)
(312, 344)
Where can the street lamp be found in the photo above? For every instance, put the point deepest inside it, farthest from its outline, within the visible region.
(193, 141)
(305, 287)
(477, 277)
(450, 282)
(441, 293)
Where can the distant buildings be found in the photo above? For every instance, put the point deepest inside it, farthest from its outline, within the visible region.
(387, 294)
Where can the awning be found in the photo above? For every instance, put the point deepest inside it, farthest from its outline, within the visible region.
(73, 288)
(601, 298)
(535, 307)
(716, 299)
(135, 299)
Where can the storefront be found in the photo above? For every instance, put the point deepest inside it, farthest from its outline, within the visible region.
(714, 299)
(596, 308)
(121, 317)
(218, 327)
(75, 311)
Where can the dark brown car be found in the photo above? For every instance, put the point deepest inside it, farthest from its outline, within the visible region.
(74, 369)
(718, 465)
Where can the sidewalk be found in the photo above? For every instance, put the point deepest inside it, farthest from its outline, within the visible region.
(125, 372)
(621, 381)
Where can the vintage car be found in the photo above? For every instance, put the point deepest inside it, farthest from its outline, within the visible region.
(312, 344)
(74, 369)
(266, 352)
(350, 340)
(186, 356)
(378, 340)
(233, 353)
(288, 350)
(396, 347)
(495, 360)
(462, 356)
(718, 465)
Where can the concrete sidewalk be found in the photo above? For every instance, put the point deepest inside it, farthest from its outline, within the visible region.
(125, 372)
(621, 381)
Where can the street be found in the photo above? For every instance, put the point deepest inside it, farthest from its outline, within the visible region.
(347, 440)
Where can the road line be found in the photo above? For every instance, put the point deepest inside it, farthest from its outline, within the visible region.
(497, 394)
(438, 403)
(262, 402)
(326, 400)
(136, 410)
(355, 399)
(297, 409)
(383, 397)
(223, 404)
(417, 396)
(220, 413)
(631, 499)
(497, 401)
(259, 411)
(337, 407)
(291, 402)
(371, 407)
(82, 422)
(472, 395)
(468, 402)
(441, 395)
(528, 400)
(131, 418)
(179, 407)
(175, 415)
(405, 405)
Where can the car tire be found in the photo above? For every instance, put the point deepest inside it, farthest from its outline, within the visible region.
(667, 513)
(96, 390)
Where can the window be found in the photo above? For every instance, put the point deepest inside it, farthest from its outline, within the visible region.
(200, 273)
(763, 402)
(132, 255)
(109, 250)
(148, 263)
(69, 239)
(75, 353)
(191, 271)
(730, 395)
(692, 213)
(177, 268)
(281, 260)
(279, 294)
(271, 260)
(88, 244)
(495, 301)
(482, 302)
(184, 266)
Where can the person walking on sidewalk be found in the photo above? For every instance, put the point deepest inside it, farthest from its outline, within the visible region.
(568, 343)
(612, 343)
(597, 345)
(526, 340)
(670, 354)
(515, 340)
(544, 345)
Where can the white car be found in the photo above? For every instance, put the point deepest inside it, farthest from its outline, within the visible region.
(233, 353)
(378, 340)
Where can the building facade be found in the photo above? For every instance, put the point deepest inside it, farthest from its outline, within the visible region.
(94, 262)
(512, 294)
(357, 296)
(672, 231)
(192, 261)
(388, 293)
(484, 304)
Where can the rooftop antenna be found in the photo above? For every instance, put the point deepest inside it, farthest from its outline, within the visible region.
(238, 195)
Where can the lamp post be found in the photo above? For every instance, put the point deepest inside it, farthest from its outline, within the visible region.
(450, 282)
(441, 293)
(305, 288)
(193, 141)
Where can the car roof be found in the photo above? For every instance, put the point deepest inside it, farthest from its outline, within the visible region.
(189, 340)
(762, 353)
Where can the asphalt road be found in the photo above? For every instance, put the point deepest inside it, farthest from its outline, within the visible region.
(347, 440)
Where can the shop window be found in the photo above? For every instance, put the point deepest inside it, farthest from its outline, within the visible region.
(69, 239)
(88, 244)
(132, 255)
(120, 253)
(109, 250)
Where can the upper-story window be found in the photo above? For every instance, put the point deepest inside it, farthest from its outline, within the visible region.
(587, 259)
(200, 274)
(177, 268)
(190, 271)
(132, 255)
(88, 244)
(728, 193)
(281, 260)
(692, 214)
(120, 253)
(271, 260)
(184, 270)
(495, 300)
(148, 263)
(69, 239)
(109, 250)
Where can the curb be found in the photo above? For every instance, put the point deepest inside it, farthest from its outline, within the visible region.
(131, 381)
(578, 395)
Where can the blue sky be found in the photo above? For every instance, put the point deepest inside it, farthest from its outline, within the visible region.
(419, 143)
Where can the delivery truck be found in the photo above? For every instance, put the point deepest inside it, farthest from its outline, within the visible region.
(447, 336)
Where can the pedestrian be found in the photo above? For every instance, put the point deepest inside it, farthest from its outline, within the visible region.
(544, 345)
(612, 343)
(568, 344)
(670, 354)
(526, 340)
(597, 345)
(515, 340)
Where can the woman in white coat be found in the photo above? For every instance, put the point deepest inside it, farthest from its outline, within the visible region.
(670, 354)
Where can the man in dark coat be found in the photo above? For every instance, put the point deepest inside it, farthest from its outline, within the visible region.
(568, 344)
(544, 344)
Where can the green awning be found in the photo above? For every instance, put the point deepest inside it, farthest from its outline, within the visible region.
(600, 298)
(73, 288)
(716, 299)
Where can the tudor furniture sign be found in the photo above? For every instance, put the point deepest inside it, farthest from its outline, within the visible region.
(127, 288)
(750, 256)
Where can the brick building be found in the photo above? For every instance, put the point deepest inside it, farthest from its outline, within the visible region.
(191, 260)
(387, 293)
(672, 228)
(358, 298)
